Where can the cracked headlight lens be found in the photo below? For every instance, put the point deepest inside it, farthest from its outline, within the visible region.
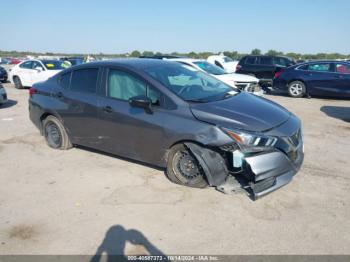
(251, 142)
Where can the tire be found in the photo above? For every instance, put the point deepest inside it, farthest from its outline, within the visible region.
(184, 169)
(296, 89)
(55, 134)
(18, 83)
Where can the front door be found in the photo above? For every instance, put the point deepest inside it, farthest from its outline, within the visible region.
(130, 131)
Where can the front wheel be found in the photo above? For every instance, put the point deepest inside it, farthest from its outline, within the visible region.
(55, 134)
(296, 89)
(18, 83)
(184, 169)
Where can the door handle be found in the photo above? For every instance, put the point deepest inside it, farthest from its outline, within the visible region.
(339, 77)
(107, 109)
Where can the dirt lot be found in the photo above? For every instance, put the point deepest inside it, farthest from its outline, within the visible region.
(76, 201)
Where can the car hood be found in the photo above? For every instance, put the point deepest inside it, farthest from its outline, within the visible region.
(242, 111)
(237, 78)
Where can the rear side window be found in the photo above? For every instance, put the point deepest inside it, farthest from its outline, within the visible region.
(281, 61)
(250, 60)
(322, 67)
(265, 60)
(84, 80)
(27, 65)
(65, 80)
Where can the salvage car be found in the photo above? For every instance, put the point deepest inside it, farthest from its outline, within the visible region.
(225, 62)
(243, 82)
(165, 114)
(26, 73)
(3, 95)
(322, 78)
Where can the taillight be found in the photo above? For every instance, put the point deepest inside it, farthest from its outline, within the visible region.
(278, 73)
(32, 91)
(238, 67)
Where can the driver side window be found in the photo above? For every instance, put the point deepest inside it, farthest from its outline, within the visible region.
(123, 86)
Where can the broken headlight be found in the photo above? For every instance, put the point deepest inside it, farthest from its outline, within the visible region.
(251, 142)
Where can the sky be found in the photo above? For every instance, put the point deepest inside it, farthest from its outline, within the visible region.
(120, 26)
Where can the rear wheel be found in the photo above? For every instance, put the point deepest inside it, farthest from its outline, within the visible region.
(296, 89)
(55, 134)
(184, 169)
(18, 83)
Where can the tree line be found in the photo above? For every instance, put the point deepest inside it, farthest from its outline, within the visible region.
(233, 54)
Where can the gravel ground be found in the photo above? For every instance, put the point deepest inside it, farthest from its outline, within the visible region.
(82, 202)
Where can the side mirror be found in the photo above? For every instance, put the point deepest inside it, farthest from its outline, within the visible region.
(141, 102)
(39, 69)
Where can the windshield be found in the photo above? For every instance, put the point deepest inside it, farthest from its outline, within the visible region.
(190, 84)
(209, 68)
(53, 64)
(227, 59)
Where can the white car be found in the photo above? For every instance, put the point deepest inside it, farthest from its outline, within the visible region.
(243, 82)
(29, 72)
(224, 62)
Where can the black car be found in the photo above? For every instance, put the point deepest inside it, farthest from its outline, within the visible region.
(263, 67)
(319, 78)
(3, 75)
(169, 115)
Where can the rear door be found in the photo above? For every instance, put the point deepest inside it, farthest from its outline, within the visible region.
(129, 131)
(79, 98)
(25, 72)
(320, 78)
(265, 67)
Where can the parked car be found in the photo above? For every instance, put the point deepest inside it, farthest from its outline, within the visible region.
(29, 72)
(320, 78)
(225, 62)
(3, 95)
(73, 60)
(3, 75)
(243, 82)
(166, 114)
(15, 61)
(263, 67)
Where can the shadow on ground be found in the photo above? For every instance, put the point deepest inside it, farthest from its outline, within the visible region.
(338, 112)
(9, 103)
(113, 245)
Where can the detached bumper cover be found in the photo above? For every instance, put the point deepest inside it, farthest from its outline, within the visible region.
(271, 171)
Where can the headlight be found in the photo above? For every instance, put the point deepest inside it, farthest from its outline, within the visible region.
(251, 142)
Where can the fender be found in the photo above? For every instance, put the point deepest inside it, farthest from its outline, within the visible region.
(212, 163)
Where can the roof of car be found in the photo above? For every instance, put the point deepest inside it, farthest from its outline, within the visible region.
(130, 62)
(185, 59)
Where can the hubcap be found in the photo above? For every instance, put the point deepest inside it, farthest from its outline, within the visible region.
(296, 89)
(53, 135)
(185, 167)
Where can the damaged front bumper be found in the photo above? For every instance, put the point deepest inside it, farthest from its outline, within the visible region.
(270, 171)
(259, 173)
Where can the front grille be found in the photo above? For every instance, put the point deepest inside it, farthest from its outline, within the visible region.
(289, 145)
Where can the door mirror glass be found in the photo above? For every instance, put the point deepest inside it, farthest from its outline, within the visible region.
(39, 69)
(141, 102)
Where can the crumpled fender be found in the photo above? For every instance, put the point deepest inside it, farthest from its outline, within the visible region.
(213, 164)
